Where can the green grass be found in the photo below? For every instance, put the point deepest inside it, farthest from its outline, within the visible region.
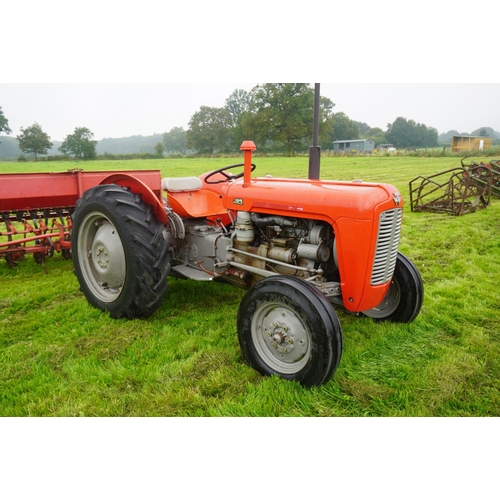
(61, 357)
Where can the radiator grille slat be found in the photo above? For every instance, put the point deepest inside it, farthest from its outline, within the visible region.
(386, 253)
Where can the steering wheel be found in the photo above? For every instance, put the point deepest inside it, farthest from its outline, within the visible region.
(227, 177)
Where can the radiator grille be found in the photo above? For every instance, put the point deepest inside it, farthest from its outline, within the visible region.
(386, 253)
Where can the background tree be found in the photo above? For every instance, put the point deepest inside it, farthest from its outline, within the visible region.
(175, 140)
(399, 133)
(80, 144)
(487, 132)
(431, 138)
(236, 104)
(283, 113)
(376, 134)
(405, 133)
(4, 123)
(446, 137)
(343, 128)
(280, 112)
(34, 140)
(209, 130)
(326, 123)
(363, 128)
(160, 149)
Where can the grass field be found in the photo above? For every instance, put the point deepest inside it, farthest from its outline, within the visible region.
(61, 357)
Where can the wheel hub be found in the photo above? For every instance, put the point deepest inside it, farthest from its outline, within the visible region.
(101, 257)
(108, 256)
(280, 336)
(283, 338)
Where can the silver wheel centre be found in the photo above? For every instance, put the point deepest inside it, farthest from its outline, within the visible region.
(280, 338)
(101, 256)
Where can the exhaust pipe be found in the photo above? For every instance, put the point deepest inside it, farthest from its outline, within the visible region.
(315, 150)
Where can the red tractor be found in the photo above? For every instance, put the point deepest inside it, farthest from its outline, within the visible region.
(300, 247)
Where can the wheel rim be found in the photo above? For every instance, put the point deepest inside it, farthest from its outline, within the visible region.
(280, 338)
(389, 305)
(101, 257)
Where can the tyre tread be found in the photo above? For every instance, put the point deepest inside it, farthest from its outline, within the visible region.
(325, 350)
(146, 249)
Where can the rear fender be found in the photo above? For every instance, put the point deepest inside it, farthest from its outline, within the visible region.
(139, 187)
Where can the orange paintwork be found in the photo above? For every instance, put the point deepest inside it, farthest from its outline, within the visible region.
(195, 204)
(247, 147)
(351, 208)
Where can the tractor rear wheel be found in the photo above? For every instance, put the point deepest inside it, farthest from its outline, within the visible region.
(286, 327)
(404, 298)
(119, 252)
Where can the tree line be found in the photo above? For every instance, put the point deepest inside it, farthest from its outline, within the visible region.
(33, 140)
(278, 117)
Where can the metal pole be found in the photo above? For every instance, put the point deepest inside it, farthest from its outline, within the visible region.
(315, 150)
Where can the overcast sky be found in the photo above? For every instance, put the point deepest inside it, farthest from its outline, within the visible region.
(224, 41)
(125, 109)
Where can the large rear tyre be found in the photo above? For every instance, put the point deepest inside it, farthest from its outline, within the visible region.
(286, 327)
(404, 298)
(119, 252)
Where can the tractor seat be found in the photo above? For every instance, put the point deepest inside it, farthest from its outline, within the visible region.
(187, 199)
(180, 184)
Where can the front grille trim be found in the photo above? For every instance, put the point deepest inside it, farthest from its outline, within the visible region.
(386, 252)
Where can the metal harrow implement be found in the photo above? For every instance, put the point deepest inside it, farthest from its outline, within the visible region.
(36, 209)
(456, 191)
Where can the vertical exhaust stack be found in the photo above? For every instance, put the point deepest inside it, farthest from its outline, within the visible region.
(315, 150)
(247, 147)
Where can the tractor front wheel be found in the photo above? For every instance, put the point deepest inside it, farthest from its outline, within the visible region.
(404, 298)
(286, 327)
(119, 252)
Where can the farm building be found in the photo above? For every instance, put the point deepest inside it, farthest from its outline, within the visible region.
(363, 145)
(469, 143)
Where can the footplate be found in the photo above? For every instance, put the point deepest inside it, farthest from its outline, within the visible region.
(191, 273)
